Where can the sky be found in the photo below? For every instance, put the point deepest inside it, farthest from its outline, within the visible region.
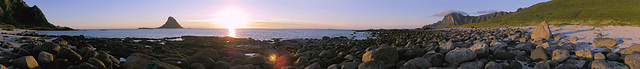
(265, 14)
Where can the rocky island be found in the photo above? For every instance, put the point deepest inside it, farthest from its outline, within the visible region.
(170, 24)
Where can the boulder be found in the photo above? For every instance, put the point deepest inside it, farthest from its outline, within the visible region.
(493, 65)
(566, 66)
(239, 67)
(6, 45)
(599, 56)
(479, 48)
(633, 61)
(603, 64)
(45, 57)
(105, 58)
(67, 53)
(350, 65)
(200, 66)
(585, 53)
(47, 47)
(372, 65)
(238, 62)
(196, 59)
(87, 52)
(385, 54)
(333, 66)
(459, 55)
(542, 65)
(541, 31)
(83, 65)
(472, 65)
(222, 65)
(560, 55)
(604, 42)
(327, 54)
(25, 62)
(136, 61)
(97, 63)
(283, 60)
(497, 45)
(315, 65)
(301, 61)
(446, 47)
(514, 65)
(612, 57)
(630, 50)
(417, 63)
(64, 63)
(155, 64)
(503, 54)
(2, 66)
(538, 54)
(573, 39)
(208, 52)
(256, 59)
(436, 59)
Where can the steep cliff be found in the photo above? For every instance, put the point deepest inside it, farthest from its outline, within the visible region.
(171, 23)
(17, 14)
(459, 19)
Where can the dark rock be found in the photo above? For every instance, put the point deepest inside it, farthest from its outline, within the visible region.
(566, 66)
(459, 55)
(503, 54)
(514, 65)
(47, 47)
(155, 64)
(190, 60)
(87, 52)
(613, 57)
(256, 59)
(97, 63)
(604, 42)
(326, 54)
(480, 48)
(67, 53)
(417, 63)
(385, 54)
(6, 45)
(222, 65)
(436, 59)
(63, 63)
(542, 65)
(446, 47)
(314, 66)
(83, 65)
(301, 61)
(208, 52)
(603, 64)
(197, 66)
(538, 54)
(237, 62)
(350, 65)
(333, 66)
(45, 57)
(372, 65)
(105, 58)
(239, 67)
(137, 61)
(493, 65)
(25, 62)
(472, 65)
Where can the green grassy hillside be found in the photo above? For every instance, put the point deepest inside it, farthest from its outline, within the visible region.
(571, 12)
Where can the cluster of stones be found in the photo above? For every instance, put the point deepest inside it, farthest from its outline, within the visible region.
(38, 53)
(205, 59)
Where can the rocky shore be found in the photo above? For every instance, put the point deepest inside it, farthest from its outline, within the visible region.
(448, 48)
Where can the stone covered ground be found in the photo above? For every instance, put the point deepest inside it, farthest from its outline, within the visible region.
(450, 48)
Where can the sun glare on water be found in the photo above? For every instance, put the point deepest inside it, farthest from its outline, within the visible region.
(231, 18)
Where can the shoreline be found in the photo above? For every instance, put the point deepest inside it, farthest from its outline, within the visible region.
(434, 45)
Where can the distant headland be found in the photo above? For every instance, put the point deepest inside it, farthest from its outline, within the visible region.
(170, 24)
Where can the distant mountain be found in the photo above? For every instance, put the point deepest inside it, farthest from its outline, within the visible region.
(17, 14)
(459, 19)
(171, 23)
(571, 12)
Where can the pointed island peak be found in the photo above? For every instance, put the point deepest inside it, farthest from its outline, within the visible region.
(171, 23)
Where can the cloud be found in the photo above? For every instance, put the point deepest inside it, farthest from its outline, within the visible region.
(447, 12)
(486, 11)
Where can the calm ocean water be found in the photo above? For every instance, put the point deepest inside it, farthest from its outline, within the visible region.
(261, 34)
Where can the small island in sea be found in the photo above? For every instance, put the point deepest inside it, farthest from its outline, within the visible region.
(171, 23)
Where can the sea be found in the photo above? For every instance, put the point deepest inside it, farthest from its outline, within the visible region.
(259, 34)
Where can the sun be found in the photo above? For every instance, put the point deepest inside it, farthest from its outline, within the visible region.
(231, 18)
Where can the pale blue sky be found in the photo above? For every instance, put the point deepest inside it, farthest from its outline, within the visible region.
(271, 14)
